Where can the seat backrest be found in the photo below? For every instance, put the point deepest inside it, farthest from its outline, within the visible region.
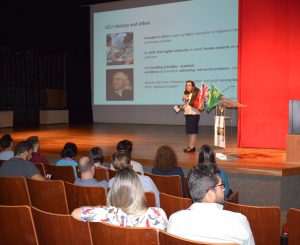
(17, 225)
(65, 173)
(150, 198)
(171, 204)
(47, 195)
(107, 234)
(101, 174)
(13, 191)
(60, 228)
(293, 222)
(111, 173)
(78, 196)
(166, 238)
(264, 222)
(186, 188)
(167, 184)
(41, 168)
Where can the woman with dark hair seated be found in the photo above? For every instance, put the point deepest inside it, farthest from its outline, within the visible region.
(6, 142)
(165, 163)
(68, 153)
(207, 156)
(126, 205)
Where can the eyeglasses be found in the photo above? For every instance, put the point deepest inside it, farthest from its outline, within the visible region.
(222, 185)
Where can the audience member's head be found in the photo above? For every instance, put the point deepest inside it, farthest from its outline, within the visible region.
(127, 192)
(206, 155)
(34, 140)
(205, 185)
(96, 154)
(69, 150)
(121, 160)
(24, 150)
(6, 141)
(86, 167)
(165, 158)
(125, 145)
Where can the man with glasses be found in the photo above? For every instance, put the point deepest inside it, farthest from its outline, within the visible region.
(206, 220)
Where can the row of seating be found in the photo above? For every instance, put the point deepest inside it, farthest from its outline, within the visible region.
(61, 197)
(30, 226)
(167, 184)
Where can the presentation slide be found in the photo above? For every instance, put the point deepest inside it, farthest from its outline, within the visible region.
(144, 55)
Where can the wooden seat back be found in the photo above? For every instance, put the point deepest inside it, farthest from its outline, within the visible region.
(78, 196)
(167, 184)
(150, 198)
(264, 221)
(171, 204)
(13, 191)
(107, 234)
(166, 238)
(17, 225)
(60, 228)
(111, 173)
(101, 174)
(65, 173)
(293, 222)
(48, 196)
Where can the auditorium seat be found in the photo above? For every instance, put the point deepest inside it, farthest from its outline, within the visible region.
(293, 225)
(171, 204)
(78, 196)
(111, 173)
(166, 238)
(150, 198)
(168, 184)
(47, 195)
(107, 234)
(60, 228)
(17, 225)
(101, 174)
(65, 173)
(264, 221)
(13, 191)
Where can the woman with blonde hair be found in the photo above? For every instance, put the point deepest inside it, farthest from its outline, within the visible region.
(126, 205)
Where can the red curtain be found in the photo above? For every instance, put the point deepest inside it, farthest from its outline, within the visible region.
(269, 71)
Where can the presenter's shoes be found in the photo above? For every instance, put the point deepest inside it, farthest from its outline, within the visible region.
(189, 150)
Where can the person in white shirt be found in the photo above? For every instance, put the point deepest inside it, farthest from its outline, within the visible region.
(126, 145)
(205, 220)
(121, 160)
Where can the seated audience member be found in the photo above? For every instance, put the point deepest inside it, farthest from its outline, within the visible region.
(121, 160)
(68, 153)
(165, 163)
(20, 164)
(87, 171)
(126, 205)
(207, 156)
(96, 154)
(36, 156)
(206, 220)
(6, 143)
(126, 145)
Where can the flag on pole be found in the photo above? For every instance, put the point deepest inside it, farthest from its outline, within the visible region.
(214, 98)
(202, 97)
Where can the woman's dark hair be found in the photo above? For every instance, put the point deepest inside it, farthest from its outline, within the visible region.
(6, 140)
(190, 81)
(96, 154)
(206, 155)
(69, 150)
(165, 158)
